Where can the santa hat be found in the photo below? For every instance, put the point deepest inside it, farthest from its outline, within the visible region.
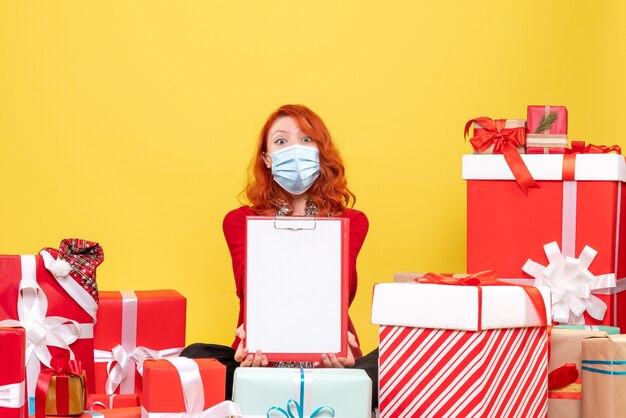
(78, 258)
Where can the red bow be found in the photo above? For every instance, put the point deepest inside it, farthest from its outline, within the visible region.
(505, 142)
(562, 376)
(61, 368)
(487, 278)
(579, 147)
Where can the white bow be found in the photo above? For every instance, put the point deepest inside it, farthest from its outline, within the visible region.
(41, 330)
(12, 396)
(571, 284)
(193, 394)
(121, 364)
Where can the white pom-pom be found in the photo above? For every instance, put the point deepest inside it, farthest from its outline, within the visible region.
(60, 268)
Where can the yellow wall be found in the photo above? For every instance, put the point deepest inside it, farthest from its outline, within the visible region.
(132, 122)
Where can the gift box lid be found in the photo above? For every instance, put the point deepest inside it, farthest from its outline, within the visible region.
(597, 167)
(424, 305)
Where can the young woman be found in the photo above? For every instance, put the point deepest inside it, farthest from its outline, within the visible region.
(297, 171)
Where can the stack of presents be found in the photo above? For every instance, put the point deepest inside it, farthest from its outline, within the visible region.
(531, 330)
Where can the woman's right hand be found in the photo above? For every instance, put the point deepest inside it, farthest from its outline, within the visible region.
(245, 358)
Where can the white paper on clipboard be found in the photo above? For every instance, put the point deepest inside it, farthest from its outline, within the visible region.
(295, 299)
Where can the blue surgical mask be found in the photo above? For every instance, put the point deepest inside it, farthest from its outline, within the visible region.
(296, 168)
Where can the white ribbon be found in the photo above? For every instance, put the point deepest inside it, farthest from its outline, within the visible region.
(193, 394)
(124, 358)
(571, 284)
(60, 270)
(12, 396)
(41, 330)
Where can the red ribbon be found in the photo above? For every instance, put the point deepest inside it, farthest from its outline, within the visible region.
(487, 278)
(62, 369)
(562, 376)
(505, 142)
(579, 147)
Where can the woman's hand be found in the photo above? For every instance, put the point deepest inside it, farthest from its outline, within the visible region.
(330, 360)
(245, 358)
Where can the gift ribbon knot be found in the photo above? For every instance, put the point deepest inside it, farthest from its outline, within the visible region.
(504, 141)
(571, 284)
(299, 406)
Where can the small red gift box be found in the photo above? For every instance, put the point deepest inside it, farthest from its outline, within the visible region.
(130, 329)
(469, 350)
(547, 130)
(568, 234)
(546, 121)
(129, 412)
(98, 401)
(12, 373)
(186, 386)
(42, 294)
(545, 150)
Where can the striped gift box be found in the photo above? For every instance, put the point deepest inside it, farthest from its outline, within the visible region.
(483, 368)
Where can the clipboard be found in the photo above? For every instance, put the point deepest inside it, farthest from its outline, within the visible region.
(296, 287)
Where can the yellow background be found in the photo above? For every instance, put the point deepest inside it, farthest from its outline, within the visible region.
(132, 123)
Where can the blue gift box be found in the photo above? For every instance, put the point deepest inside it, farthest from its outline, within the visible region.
(302, 393)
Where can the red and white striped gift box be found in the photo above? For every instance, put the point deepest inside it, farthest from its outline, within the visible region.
(427, 368)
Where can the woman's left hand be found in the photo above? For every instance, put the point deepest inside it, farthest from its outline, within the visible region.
(331, 360)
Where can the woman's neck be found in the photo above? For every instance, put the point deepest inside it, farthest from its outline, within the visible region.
(299, 205)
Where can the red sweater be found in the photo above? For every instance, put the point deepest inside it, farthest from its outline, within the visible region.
(235, 232)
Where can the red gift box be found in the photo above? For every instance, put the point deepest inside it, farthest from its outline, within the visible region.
(12, 373)
(545, 150)
(134, 326)
(129, 412)
(578, 207)
(186, 386)
(547, 121)
(468, 351)
(98, 401)
(55, 310)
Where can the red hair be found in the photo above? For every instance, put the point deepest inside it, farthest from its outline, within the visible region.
(329, 192)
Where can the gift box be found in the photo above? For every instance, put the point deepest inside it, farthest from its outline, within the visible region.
(12, 373)
(130, 412)
(469, 350)
(98, 401)
(550, 149)
(567, 234)
(546, 121)
(53, 295)
(604, 376)
(493, 136)
(565, 401)
(511, 128)
(185, 386)
(302, 392)
(61, 390)
(603, 328)
(130, 330)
